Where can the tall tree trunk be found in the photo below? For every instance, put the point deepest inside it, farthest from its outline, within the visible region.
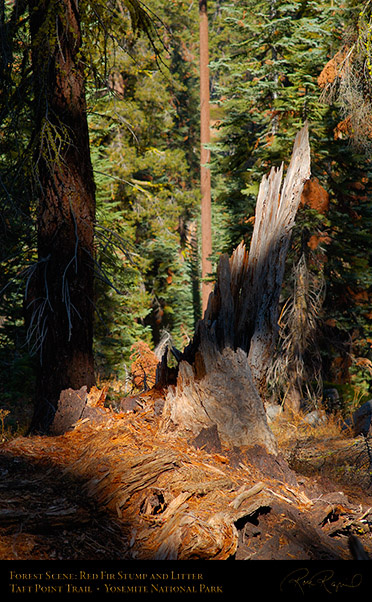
(59, 298)
(225, 366)
(205, 174)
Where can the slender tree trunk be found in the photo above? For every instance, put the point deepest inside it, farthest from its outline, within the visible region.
(224, 368)
(59, 298)
(205, 174)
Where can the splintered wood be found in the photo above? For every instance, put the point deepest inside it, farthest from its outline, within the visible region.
(224, 367)
(146, 476)
(168, 499)
(174, 501)
(225, 396)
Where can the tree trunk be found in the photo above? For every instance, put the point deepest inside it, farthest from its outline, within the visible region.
(205, 174)
(225, 365)
(59, 298)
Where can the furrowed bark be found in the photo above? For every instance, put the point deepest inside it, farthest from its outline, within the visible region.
(59, 297)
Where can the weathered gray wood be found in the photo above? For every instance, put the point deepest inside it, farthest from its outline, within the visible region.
(233, 344)
(224, 396)
(242, 311)
(275, 218)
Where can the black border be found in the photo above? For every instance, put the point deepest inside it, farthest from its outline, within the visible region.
(221, 580)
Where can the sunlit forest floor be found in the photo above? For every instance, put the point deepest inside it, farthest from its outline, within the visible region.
(114, 487)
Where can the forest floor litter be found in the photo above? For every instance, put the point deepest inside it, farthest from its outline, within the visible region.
(115, 487)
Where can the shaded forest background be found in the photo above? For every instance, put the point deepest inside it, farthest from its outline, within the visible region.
(273, 65)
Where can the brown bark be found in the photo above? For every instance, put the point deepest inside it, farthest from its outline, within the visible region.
(205, 174)
(226, 363)
(60, 294)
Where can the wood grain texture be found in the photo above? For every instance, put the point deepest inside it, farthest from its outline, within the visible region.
(225, 365)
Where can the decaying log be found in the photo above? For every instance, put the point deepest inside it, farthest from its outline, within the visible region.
(233, 344)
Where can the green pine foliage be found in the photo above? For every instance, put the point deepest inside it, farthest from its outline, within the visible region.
(143, 102)
(267, 87)
(267, 90)
(17, 236)
(143, 118)
(143, 127)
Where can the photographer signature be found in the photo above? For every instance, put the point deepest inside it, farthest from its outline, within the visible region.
(302, 579)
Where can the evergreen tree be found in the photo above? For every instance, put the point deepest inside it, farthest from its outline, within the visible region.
(144, 128)
(268, 87)
(17, 236)
(48, 84)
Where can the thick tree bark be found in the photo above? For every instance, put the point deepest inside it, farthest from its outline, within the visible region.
(59, 297)
(225, 365)
(205, 174)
